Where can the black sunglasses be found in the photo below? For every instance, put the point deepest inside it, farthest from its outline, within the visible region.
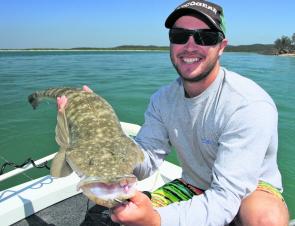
(203, 37)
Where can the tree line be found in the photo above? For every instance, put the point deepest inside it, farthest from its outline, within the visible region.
(285, 44)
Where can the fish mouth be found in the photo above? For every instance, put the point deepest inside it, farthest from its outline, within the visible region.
(108, 192)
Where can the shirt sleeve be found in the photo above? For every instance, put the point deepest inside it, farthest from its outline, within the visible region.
(235, 173)
(153, 139)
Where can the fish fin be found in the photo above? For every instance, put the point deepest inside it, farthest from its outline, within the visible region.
(59, 165)
(62, 130)
(138, 153)
(132, 148)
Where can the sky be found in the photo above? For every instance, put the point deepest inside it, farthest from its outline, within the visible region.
(98, 23)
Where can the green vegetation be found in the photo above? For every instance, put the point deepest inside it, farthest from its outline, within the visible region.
(285, 45)
(126, 47)
(267, 49)
(255, 48)
(117, 48)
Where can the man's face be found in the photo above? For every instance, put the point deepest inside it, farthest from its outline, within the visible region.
(193, 61)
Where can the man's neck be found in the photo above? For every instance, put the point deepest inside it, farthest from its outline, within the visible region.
(193, 89)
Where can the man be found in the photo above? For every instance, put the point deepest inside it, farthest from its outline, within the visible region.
(224, 128)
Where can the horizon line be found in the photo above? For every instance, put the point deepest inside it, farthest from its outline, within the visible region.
(120, 46)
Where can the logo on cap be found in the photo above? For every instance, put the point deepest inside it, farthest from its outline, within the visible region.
(200, 4)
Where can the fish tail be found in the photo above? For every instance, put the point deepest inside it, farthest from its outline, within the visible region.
(35, 98)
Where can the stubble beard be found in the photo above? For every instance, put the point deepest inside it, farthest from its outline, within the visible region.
(197, 78)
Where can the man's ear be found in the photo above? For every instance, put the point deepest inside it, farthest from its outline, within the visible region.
(223, 44)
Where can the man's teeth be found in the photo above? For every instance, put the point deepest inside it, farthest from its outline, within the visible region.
(190, 60)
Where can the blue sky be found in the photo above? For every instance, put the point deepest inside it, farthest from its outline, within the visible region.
(97, 23)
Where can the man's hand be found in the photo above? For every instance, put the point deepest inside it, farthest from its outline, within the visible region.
(61, 103)
(87, 89)
(137, 212)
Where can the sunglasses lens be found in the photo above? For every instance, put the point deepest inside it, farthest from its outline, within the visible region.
(207, 38)
(178, 36)
(204, 37)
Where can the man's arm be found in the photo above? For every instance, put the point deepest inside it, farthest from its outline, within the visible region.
(153, 139)
(235, 174)
(236, 170)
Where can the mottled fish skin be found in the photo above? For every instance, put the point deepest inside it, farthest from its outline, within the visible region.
(95, 144)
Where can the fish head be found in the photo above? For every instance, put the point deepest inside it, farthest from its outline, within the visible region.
(106, 175)
(108, 192)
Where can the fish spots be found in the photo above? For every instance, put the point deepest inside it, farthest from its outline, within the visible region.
(97, 147)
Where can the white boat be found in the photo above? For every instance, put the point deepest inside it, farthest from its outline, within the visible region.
(24, 200)
(56, 201)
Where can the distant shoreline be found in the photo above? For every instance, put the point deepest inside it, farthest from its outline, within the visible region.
(118, 48)
(265, 49)
(287, 54)
(76, 50)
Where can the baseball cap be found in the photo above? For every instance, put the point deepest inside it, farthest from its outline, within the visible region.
(212, 13)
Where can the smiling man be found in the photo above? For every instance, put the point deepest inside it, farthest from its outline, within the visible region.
(224, 128)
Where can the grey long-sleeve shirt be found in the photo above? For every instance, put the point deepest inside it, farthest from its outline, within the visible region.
(226, 140)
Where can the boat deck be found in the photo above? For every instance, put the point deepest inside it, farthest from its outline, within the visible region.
(73, 211)
(56, 201)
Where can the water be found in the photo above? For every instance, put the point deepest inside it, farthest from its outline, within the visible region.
(126, 80)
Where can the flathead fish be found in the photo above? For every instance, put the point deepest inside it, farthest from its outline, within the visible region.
(93, 144)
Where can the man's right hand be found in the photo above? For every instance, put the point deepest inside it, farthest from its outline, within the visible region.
(137, 212)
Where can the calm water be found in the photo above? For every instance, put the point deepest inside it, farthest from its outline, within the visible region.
(126, 80)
